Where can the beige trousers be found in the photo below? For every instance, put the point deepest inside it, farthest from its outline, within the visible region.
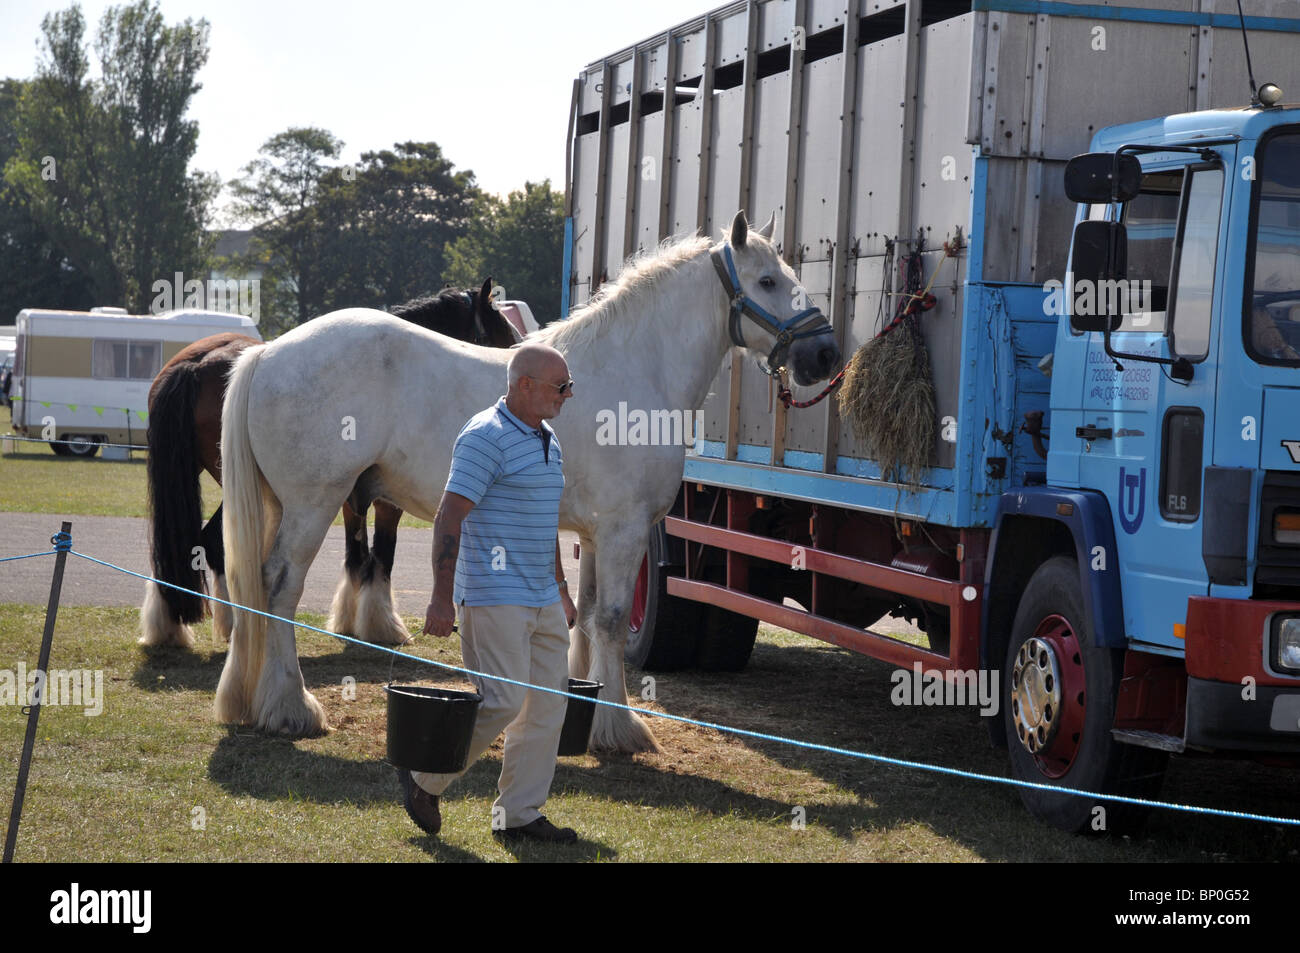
(528, 645)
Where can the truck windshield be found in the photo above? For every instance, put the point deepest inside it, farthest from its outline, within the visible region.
(1272, 305)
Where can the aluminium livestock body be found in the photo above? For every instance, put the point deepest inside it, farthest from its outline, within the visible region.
(1117, 538)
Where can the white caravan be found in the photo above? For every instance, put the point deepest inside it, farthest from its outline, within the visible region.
(81, 379)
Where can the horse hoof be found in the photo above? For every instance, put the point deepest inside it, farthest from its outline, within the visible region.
(294, 717)
(614, 729)
(343, 610)
(393, 634)
(377, 621)
(157, 627)
(180, 636)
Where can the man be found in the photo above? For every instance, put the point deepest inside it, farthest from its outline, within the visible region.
(497, 557)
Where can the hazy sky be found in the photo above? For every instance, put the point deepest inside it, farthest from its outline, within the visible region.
(488, 80)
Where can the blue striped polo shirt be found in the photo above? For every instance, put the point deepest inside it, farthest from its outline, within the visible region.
(514, 476)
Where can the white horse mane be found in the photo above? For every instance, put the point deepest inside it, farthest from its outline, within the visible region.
(640, 278)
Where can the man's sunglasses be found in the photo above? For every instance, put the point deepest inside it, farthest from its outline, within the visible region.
(565, 388)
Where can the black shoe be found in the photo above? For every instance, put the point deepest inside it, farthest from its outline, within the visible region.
(421, 806)
(540, 830)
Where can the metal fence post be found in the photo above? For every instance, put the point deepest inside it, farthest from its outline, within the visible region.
(63, 543)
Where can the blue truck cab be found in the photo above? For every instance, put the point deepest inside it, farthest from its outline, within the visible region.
(1174, 457)
(1199, 476)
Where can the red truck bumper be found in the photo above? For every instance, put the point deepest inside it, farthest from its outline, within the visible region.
(1235, 698)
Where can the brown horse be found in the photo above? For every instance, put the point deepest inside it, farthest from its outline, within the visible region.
(185, 440)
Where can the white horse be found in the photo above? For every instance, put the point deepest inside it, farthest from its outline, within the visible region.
(294, 445)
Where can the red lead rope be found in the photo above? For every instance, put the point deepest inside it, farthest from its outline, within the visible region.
(787, 398)
(922, 302)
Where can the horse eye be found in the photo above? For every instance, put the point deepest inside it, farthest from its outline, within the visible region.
(767, 282)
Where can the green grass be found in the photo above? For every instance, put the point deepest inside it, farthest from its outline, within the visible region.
(36, 481)
(125, 786)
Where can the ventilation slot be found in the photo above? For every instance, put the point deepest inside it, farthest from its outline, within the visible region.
(881, 26)
(729, 76)
(935, 11)
(824, 44)
(773, 61)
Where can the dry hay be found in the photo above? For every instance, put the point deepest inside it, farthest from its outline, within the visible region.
(888, 398)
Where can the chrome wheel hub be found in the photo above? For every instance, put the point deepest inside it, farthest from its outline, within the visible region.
(1036, 694)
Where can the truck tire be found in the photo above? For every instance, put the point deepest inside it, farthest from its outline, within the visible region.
(662, 630)
(728, 641)
(1058, 695)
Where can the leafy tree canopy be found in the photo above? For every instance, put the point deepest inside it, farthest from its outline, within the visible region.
(520, 243)
(102, 165)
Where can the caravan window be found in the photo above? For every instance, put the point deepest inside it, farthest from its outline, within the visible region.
(127, 360)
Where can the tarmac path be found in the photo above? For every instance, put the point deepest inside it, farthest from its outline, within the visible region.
(125, 541)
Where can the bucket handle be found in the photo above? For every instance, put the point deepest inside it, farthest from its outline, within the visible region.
(392, 656)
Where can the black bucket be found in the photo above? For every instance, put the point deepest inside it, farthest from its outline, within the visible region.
(430, 729)
(577, 717)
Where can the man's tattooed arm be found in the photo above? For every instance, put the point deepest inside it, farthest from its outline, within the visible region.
(444, 559)
(446, 543)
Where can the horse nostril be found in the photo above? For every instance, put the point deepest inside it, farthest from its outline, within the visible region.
(827, 357)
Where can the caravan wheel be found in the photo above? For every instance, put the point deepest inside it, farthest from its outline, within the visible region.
(80, 445)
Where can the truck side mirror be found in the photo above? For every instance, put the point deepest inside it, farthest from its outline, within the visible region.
(1098, 260)
(1088, 178)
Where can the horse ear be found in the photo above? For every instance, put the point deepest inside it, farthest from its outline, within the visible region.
(767, 230)
(485, 295)
(739, 230)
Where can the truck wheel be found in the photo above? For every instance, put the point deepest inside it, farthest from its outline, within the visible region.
(662, 630)
(1058, 700)
(728, 641)
(60, 448)
(80, 445)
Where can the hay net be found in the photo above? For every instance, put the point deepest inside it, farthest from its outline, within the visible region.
(888, 392)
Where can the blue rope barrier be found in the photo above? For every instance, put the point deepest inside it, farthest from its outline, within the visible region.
(14, 436)
(727, 729)
(50, 552)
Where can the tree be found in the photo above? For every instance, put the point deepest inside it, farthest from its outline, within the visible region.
(520, 242)
(34, 272)
(103, 165)
(390, 220)
(279, 194)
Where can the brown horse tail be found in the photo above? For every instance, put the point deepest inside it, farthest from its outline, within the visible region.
(175, 503)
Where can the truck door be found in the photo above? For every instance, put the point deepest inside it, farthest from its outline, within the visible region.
(1145, 436)
(1259, 400)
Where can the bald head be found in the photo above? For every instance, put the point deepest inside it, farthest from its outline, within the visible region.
(533, 360)
(539, 383)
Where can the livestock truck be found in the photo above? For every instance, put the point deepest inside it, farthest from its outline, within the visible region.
(1109, 519)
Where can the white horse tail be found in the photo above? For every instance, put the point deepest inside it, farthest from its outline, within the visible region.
(244, 498)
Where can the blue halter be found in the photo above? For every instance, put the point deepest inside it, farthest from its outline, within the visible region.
(786, 332)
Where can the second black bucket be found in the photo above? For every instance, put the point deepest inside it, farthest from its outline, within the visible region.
(430, 729)
(578, 717)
